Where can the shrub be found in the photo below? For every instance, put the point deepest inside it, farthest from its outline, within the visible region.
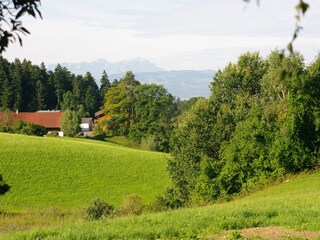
(38, 130)
(18, 125)
(23, 127)
(132, 204)
(98, 209)
(33, 129)
(53, 134)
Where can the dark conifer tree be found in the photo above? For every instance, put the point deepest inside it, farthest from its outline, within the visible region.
(105, 85)
(6, 99)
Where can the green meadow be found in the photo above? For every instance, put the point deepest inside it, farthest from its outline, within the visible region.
(69, 173)
(294, 204)
(53, 179)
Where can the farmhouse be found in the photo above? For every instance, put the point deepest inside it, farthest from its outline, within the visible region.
(49, 119)
(98, 116)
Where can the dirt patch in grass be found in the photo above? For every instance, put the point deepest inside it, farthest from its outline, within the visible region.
(274, 233)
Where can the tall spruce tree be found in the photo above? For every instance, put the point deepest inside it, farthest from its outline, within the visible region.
(104, 84)
(92, 95)
(62, 82)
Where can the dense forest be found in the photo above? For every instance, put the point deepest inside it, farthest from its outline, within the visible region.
(261, 122)
(26, 87)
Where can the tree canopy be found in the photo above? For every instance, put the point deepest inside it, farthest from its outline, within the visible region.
(256, 126)
(142, 112)
(27, 88)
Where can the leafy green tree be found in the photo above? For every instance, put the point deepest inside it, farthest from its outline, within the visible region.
(255, 126)
(185, 105)
(311, 87)
(70, 102)
(70, 123)
(261, 121)
(119, 105)
(154, 109)
(192, 138)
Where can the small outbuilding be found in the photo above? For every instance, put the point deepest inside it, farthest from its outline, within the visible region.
(86, 124)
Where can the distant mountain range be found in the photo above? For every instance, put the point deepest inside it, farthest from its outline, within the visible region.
(183, 83)
(96, 68)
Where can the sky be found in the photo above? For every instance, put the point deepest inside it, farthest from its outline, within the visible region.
(173, 34)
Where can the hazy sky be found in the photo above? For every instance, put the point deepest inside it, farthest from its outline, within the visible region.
(174, 34)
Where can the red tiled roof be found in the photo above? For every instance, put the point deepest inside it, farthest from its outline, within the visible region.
(46, 119)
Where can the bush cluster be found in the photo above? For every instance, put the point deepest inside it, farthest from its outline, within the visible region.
(22, 127)
(99, 209)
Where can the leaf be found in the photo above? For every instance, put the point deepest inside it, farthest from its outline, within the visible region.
(31, 12)
(304, 7)
(25, 30)
(20, 40)
(290, 47)
(21, 12)
(39, 12)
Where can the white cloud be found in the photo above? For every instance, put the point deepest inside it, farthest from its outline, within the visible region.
(180, 34)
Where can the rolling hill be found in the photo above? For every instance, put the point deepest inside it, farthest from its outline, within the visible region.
(290, 210)
(70, 173)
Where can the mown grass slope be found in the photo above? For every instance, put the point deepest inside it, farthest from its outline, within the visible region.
(70, 173)
(294, 204)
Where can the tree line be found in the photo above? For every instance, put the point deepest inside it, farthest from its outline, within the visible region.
(28, 88)
(261, 122)
(142, 112)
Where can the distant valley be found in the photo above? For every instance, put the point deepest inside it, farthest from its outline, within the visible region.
(180, 83)
(183, 83)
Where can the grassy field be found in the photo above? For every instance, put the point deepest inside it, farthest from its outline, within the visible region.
(69, 173)
(294, 204)
(52, 180)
